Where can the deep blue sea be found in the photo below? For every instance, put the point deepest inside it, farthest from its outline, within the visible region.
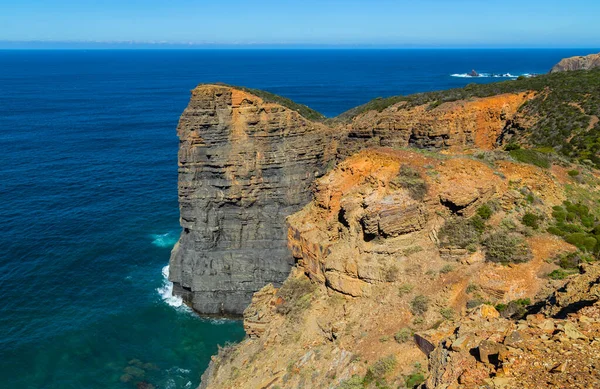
(88, 194)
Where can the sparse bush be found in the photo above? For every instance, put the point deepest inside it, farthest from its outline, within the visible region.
(411, 180)
(446, 269)
(419, 305)
(458, 232)
(478, 223)
(531, 220)
(573, 173)
(472, 288)
(356, 382)
(404, 335)
(506, 247)
(391, 273)
(296, 294)
(405, 289)
(412, 250)
(378, 370)
(447, 313)
(474, 303)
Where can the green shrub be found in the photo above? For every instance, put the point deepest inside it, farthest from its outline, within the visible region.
(506, 247)
(531, 220)
(582, 241)
(558, 274)
(478, 223)
(419, 305)
(404, 335)
(446, 269)
(485, 212)
(414, 380)
(573, 173)
(531, 157)
(514, 309)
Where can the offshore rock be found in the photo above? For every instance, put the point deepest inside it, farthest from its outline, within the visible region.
(244, 165)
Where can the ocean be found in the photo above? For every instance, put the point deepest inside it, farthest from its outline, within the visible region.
(88, 194)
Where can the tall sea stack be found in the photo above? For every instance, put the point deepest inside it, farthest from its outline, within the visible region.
(245, 163)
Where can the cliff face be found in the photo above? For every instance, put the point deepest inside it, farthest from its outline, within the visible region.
(244, 165)
(577, 63)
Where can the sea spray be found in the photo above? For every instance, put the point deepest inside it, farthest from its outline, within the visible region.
(166, 292)
(166, 240)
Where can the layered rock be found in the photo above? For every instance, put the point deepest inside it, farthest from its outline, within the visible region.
(577, 63)
(454, 125)
(244, 165)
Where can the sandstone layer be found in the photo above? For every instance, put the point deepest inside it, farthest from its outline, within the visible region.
(577, 63)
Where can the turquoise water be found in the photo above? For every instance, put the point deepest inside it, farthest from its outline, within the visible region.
(88, 195)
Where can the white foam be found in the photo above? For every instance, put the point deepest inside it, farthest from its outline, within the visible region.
(166, 291)
(484, 75)
(164, 240)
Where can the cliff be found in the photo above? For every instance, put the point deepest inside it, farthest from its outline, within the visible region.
(577, 63)
(244, 165)
(398, 242)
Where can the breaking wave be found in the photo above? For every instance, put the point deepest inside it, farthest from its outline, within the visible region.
(166, 292)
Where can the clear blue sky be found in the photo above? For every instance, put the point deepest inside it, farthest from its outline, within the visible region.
(420, 23)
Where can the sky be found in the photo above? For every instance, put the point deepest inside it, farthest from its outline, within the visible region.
(369, 23)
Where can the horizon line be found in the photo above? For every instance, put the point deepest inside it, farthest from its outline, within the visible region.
(151, 45)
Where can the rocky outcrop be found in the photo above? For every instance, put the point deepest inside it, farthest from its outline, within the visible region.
(577, 63)
(477, 123)
(540, 351)
(244, 165)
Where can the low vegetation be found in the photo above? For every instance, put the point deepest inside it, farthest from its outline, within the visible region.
(506, 247)
(269, 97)
(419, 305)
(296, 295)
(411, 180)
(577, 225)
(459, 232)
(404, 335)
